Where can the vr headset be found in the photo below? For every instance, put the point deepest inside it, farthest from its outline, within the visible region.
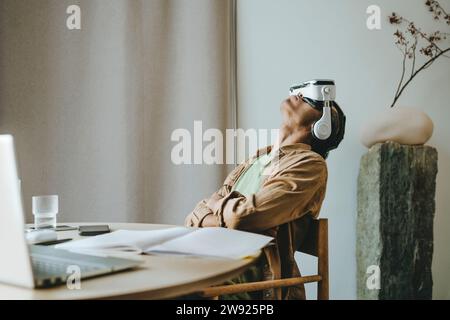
(321, 94)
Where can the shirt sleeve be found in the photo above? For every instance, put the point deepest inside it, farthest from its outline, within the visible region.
(201, 210)
(293, 192)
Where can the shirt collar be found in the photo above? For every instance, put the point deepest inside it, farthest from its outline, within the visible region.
(295, 147)
(286, 149)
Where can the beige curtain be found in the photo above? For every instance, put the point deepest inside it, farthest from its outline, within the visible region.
(93, 110)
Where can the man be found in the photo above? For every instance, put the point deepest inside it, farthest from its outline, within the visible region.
(276, 193)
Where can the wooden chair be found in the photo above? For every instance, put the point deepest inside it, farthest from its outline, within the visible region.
(316, 244)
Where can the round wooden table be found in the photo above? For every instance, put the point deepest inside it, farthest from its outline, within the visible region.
(159, 277)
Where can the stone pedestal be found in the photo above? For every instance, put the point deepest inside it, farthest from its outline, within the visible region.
(396, 189)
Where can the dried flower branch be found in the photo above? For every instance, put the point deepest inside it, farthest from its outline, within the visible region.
(437, 10)
(408, 40)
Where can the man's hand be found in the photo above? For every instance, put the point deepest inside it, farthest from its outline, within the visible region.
(188, 222)
(210, 220)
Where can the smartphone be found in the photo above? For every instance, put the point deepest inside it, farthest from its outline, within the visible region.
(93, 230)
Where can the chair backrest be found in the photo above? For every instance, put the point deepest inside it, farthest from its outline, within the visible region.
(316, 236)
(316, 244)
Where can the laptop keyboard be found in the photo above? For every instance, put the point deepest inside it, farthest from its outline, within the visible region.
(53, 271)
(52, 266)
(44, 265)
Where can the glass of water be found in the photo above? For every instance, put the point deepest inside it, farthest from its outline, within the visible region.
(45, 209)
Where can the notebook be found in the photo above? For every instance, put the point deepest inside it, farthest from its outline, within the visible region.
(212, 242)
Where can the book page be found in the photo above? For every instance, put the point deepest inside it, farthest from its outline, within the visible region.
(124, 240)
(214, 242)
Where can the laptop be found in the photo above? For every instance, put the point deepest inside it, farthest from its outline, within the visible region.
(36, 266)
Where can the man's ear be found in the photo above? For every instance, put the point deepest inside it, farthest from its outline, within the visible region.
(313, 116)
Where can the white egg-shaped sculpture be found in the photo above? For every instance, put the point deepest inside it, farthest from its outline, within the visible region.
(403, 125)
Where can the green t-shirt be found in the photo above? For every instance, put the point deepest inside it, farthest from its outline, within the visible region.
(250, 181)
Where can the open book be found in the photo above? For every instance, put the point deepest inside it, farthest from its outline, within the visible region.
(213, 242)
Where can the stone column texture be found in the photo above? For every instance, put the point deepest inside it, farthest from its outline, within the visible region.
(396, 205)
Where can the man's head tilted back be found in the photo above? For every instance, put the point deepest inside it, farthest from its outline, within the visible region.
(311, 110)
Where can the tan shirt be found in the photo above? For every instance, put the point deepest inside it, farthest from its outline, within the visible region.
(292, 193)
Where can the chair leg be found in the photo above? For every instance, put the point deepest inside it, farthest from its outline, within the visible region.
(322, 245)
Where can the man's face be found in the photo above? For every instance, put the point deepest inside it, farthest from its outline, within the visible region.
(295, 111)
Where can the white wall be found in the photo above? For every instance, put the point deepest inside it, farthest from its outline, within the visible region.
(286, 41)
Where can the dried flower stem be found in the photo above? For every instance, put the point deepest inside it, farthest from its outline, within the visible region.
(401, 78)
(407, 42)
(414, 47)
(424, 66)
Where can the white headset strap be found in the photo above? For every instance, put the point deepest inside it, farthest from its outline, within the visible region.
(325, 120)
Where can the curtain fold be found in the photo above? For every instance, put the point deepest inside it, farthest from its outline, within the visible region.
(93, 110)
